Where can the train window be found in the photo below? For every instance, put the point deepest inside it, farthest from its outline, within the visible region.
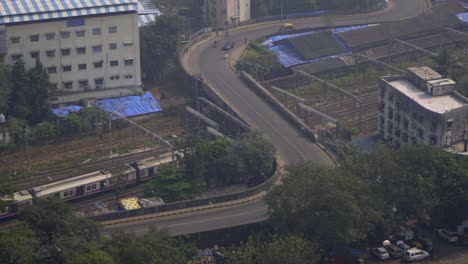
(91, 187)
(68, 193)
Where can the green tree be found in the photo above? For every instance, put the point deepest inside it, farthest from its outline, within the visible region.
(154, 247)
(38, 95)
(158, 46)
(171, 184)
(251, 155)
(444, 61)
(19, 103)
(88, 254)
(258, 60)
(44, 132)
(328, 206)
(58, 229)
(288, 249)
(5, 88)
(18, 245)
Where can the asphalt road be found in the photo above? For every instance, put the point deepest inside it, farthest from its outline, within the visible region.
(290, 144)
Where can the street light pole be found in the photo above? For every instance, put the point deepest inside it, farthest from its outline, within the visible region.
(281, 9)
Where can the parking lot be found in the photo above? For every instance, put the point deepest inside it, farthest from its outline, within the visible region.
(444, 253)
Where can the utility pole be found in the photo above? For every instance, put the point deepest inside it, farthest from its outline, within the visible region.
(110, 134)
(26, 132)
(189, 32)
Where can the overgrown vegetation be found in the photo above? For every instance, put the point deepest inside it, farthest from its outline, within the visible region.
(216, 163)
(370, 193)
(258, 60)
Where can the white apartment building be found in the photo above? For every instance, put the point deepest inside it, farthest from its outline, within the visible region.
(90, 48)
(421, 108)
(220, 13)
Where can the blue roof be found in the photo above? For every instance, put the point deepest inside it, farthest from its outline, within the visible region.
(130, 105)
(66, 110)
(147, 12)
(14, 11)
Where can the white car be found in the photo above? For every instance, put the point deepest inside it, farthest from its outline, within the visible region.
(381, 253)
(402, 245)
(415, 254)
(447, 235)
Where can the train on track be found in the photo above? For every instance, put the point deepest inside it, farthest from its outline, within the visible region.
(87, 184)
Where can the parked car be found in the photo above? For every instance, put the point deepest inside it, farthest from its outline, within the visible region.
(449, 236)
(415, 254)
(401, 244)
(228, 45)
(394, 251)
(381, 253)
(287, 26)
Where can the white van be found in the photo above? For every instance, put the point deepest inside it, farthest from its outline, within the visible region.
(415, 254)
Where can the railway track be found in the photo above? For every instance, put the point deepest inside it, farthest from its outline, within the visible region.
(101, 164)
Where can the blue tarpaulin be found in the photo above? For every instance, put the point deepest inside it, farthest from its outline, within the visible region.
(66, 110)
(130, 105)
(288, 57)
(463, 17)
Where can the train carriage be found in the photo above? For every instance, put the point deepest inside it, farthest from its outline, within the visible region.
(148, 168)
(75, 187)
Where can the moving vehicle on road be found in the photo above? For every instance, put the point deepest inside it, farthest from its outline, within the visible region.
(228, 45)
(415, 254)
(287, 26)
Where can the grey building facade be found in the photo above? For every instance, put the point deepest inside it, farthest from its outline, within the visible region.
(421, 107)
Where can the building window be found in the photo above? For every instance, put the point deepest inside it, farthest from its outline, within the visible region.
(81, 50)
(98, 64)
(66, 68)
(50, 36)
(50, 53)
(16, 57)
(114, 63)
(450, 123)
(97, 48)
(128, 76)
(34, 54)
(113, 46)
(76, 22)
(65, 52)
(34, 38)
(83, 83)
(65, 34)
(80, 33)
(99, 83)
(91, 187)
(115, 77)
(112, 30)
(128, 44)
(15, 40)
(128, 62)
(52, 69)
(96, 31)
(68, 85)
(81, 67)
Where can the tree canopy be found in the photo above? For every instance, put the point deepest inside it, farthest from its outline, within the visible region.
(158, 47)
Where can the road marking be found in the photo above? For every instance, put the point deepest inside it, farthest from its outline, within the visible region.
(214, 219)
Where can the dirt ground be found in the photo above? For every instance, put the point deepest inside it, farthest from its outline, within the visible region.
(69, 152)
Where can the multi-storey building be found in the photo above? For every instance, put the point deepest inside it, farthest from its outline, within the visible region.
(220, 13)
(89, 48)
(421, 107)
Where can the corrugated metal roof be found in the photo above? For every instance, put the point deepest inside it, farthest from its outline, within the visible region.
(147, 12)
(14, 11)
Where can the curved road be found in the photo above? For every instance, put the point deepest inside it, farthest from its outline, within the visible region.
(290, 144)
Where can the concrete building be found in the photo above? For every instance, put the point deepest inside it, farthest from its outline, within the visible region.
(421, 107)
(90, 49)
(220, 13)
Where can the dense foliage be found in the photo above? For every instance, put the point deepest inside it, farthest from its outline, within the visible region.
(258, 60)
(371, 193)
(213, 163)
(158, 47)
